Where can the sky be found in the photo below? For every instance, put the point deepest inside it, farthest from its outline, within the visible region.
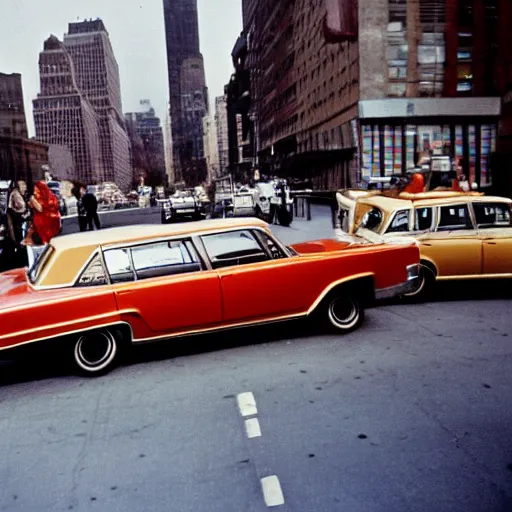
(136, 30)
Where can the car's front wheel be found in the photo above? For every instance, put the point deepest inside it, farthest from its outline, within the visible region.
(344, 312)
(96, 352)
(424, 286)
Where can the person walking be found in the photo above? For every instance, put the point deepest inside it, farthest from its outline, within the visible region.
(90, 204)
(15, 254)
(79, 192)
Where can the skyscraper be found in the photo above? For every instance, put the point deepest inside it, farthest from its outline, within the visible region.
(12, 111)
(147, 139)
(20, 157)
(63, 116)
(221, 122)
(97, 77)
(187, 89)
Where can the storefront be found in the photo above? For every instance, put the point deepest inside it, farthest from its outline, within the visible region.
(397, 133)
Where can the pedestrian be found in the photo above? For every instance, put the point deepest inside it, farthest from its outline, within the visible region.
(46, 221)
(464, 183)
(15, 254)
(90, 204)
(79, 192)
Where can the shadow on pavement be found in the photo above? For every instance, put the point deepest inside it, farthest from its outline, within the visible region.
(32, 366)
(462, 291)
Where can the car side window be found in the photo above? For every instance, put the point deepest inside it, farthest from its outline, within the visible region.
(492, 215)
(233, 248)
(454, 217)
(165, 259)
(275, 251)
(400, 222)
(423, 219)
(119, 265)
(94, 274)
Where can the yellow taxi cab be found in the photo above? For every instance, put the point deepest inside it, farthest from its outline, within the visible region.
(460, 235)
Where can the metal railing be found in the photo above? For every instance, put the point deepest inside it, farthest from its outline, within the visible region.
(302, 207)
(303, 202)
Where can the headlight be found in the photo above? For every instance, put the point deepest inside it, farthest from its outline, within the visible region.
(413, 272)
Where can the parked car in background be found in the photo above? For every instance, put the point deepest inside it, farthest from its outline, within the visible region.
(184, 204)
(92, 294)
(460, 235)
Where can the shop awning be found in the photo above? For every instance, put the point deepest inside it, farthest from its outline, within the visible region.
(429, 107)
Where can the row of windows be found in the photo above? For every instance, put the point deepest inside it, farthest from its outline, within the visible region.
(451, 217)
(179, 257)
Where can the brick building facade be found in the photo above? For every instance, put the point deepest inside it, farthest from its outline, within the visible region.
(342, 90)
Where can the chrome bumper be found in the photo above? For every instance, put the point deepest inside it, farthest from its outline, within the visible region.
(413, 274)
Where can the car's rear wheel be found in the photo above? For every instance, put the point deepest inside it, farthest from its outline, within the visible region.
(96, 352)
(344, 313)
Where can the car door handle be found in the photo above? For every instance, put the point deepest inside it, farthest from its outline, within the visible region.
(424, 243)
(490, 243)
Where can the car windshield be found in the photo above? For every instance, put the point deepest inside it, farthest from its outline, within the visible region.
(372, 220)
(266, 189)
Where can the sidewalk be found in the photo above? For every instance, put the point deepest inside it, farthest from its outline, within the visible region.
(301, 230)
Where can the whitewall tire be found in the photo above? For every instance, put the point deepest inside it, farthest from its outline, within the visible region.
(344, 313)
(95, 352)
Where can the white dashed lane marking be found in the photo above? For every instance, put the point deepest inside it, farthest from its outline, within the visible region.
(252, 427)
(247, 404)
(272, 492)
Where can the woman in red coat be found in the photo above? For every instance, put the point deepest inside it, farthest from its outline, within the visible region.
(46, 222)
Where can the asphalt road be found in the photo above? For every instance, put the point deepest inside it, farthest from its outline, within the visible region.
(410, 413)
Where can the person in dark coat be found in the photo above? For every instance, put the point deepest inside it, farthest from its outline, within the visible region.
(90, 204)
(79, 192)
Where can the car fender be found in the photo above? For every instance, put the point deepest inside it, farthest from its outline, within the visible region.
(334, 284)
(430, 261)
(138, 326)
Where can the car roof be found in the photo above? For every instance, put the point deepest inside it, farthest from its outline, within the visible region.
(386, 203)
(461, 199)
(391, 203)
(141, 232)
(72, 252)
